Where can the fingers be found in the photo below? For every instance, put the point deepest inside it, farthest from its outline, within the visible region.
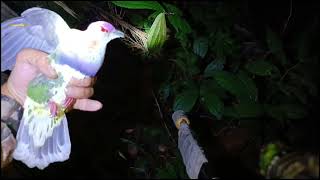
(79, 92)
(86, 82)
(45, 68)
(37, 59)
(87, 105)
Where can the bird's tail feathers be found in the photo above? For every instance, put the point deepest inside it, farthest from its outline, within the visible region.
(56, 148)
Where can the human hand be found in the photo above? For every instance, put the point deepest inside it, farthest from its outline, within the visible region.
(31, 62)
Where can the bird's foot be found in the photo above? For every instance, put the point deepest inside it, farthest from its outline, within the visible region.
(53, 108)
(68, 103)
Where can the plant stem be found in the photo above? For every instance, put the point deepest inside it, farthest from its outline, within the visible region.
(161, 116)
(288, 71)
(285, 26)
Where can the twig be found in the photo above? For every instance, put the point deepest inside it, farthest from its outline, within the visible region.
(285, 26)
(288, 71)
(161, 115)
(134, 37)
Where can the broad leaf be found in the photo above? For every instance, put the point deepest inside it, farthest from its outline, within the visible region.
(210, 96)
(261, 68)
(232, 84)
(211, 85)
(173, 9)
(181, 26)
(221, 44)
(181, 64)
(187, 98)
(165, 91)
(214, 104)
(200, 46)
(157, 34)
(249, 84)
(214, 66)
(167, 173)
(154, 5)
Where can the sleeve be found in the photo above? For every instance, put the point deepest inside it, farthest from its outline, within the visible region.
(11, 113)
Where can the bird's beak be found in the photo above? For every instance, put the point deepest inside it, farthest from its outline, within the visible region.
(117, 34)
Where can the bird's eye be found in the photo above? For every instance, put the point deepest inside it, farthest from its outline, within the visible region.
(104, 29)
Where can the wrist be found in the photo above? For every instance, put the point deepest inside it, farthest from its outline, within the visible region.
(6, 92)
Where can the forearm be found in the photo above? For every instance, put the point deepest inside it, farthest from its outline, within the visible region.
(11, 112)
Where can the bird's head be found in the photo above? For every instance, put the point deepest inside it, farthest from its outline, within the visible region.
(104, 31)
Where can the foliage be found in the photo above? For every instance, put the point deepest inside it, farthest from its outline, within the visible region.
(152, 154)
(268, 154)
(221, 70)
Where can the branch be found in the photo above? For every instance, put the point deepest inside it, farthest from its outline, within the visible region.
(285, 26)
(288, 71)
(161, 115)
(134, 37)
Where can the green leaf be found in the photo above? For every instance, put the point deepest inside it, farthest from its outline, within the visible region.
(167, 173)
(173, 9)
(157, 34)
(200, 46)
(181, 26)
(249, 84)
(154, 5)
(214, 66)
(214, 104)
(211, 85)
(210, 94)
(261, 68)
(165, 91)
(232, 84)
(187, 99)
(182, 65)
(248, 110)
(267, 156)
(221, 44)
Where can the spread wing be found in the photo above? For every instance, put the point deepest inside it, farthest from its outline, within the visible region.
(36, 28)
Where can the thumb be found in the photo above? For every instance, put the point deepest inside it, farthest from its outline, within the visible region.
(40, 60)
(45, 68)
